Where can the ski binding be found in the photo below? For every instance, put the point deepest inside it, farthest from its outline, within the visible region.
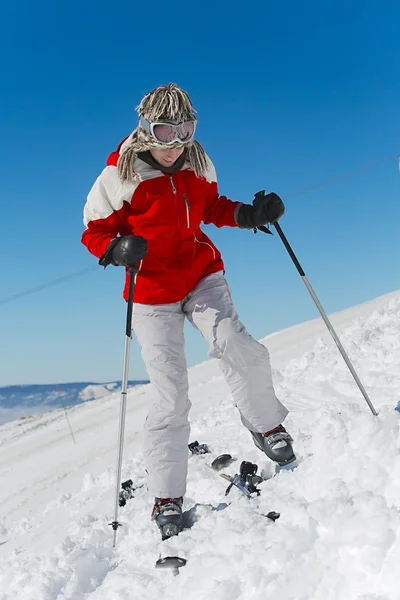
(246, 481)
(196, 448)
(127, 492)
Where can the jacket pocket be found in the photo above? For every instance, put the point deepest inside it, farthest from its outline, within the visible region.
(205, 244)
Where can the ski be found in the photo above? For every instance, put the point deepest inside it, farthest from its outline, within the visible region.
(222, 461)
(171, 562)
(246, 481)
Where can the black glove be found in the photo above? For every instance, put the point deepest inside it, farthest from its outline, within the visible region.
(124, 251)
(265, 209)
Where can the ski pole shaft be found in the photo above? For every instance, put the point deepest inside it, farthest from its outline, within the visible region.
(121, 429)
(325, 318)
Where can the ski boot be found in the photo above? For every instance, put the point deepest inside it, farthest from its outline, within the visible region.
(276, 444)
(167, 513)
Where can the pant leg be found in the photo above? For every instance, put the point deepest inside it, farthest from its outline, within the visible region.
(159, 330)
(243, 361)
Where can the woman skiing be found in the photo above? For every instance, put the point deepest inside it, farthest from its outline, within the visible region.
(145, 211)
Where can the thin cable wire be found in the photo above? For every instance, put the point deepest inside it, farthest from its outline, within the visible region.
(44, 286)
(344, 175)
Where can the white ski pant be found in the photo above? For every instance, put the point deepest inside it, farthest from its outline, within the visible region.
(243, 361)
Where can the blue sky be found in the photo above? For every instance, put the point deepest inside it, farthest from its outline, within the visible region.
(288, 95)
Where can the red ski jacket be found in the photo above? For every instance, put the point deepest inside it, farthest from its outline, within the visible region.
(166, 210)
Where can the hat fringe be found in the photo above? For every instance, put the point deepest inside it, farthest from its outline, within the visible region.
(195, 156)
(168, 102)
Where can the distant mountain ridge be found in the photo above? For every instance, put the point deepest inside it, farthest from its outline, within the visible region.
(18, 401)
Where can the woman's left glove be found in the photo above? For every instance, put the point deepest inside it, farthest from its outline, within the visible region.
(265, 209)
(124, 251)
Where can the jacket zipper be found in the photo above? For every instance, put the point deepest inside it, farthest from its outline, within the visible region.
(205, 243)
(187, 210)
(172, 184)
(174, 191)
(176, 203)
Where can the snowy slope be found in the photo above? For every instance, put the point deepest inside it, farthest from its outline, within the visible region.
(339, 533)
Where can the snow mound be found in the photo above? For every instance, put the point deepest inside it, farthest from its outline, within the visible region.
(92, 392)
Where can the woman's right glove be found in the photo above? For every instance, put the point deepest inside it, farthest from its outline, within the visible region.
(124, 251)
(265, 209)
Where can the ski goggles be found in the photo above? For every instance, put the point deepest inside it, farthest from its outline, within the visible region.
(169, 133)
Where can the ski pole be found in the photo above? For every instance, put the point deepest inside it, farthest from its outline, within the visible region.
(322, 312)
(121, 430)
(325, 318)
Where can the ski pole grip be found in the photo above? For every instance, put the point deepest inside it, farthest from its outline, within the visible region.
(262, 228)
(257, 194)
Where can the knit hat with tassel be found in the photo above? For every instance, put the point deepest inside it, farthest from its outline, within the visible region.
(164, 103)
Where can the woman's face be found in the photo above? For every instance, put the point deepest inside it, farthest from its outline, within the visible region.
(166, 156)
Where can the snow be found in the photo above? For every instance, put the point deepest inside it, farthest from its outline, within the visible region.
(23, 401)
(91, 392)
(338, 537)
